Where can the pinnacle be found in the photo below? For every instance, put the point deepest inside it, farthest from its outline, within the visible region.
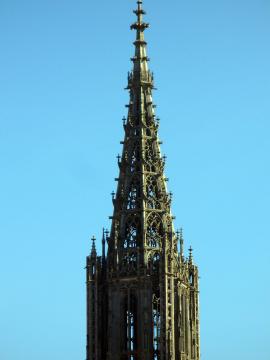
(93, 250)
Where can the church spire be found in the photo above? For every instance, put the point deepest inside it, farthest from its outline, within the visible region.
(141, 301)
(142, 217)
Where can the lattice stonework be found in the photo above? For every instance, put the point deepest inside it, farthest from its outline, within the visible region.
(142, 293)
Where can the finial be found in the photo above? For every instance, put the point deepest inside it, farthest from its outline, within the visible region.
(93, 239)
(140, 25)
(180, 238)
(118, 158)
(181, 234)
(93, 250)
(139, 11)
(139, 2)
(190, 255)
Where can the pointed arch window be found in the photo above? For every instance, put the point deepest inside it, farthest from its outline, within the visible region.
(156, 326)
(135, 158)
(152, 193)
(154, 232)
(151, 156)
(130, 262)
(133, 194)
(130, 328)
(132, 231)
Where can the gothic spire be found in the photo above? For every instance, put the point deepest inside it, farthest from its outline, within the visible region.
(142, 219)
(142, 298)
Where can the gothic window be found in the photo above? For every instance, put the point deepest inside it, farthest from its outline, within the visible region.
(131, 232)
(131, 236)
(131, 331)
(154, 232)
(131, 259)
(135, 158)
(129, 263)
(148, 150)
(133, 195)
(93, 269)
(149, 156)
(156, 327)
(152, 193)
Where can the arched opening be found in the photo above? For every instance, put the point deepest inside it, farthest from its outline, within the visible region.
(130, 318)
(156, 326)
(133, 194)
(132, 232)
(152, 193)
(154, 232)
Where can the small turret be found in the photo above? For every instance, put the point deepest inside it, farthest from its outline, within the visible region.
(93, 250)
(181, 244)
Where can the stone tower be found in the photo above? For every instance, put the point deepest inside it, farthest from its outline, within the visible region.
(142, 293)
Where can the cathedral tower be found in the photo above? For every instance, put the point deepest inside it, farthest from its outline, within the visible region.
(142, 292)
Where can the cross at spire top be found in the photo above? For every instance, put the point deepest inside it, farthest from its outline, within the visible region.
(139, 11)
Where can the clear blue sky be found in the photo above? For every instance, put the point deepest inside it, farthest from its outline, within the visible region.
(63, 68)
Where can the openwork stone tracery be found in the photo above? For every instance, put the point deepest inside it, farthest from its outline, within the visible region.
(142, 295)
